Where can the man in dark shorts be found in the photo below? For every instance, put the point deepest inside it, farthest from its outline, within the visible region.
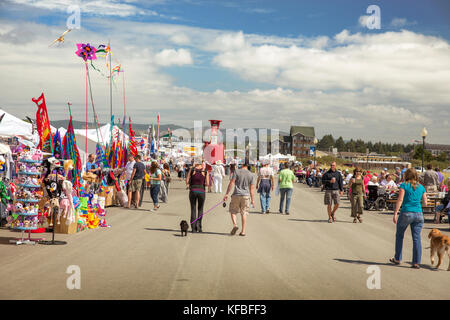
(136, 181)
(334, 188)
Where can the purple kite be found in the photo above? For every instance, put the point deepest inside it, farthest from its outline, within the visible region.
(86, 51)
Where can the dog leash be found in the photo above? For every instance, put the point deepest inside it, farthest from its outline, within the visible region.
(221, 201)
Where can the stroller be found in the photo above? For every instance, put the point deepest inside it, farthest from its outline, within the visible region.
(376, 199)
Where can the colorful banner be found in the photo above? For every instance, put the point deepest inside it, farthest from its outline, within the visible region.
(100, 157)
(43, 125)
(58, 152)
(132, 142)
(157, 138)
(70, 151)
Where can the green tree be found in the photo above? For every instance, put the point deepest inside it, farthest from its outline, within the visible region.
(442, 157)
(418, 154)
(340, 144)
(326, 142)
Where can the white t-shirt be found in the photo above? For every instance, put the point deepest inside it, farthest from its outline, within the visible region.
(349, 176)
(218, 171)
(388, 185)
(129, 169)
(266, 172)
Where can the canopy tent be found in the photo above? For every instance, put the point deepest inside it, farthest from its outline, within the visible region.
(12, 126)
(103, 134)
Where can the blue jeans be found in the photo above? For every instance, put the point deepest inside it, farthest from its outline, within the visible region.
(154, 191)
(415, 219)
(264, 197)
(285, 192)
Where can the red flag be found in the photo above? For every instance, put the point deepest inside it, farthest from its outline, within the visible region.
(132, 142)
(43, 125)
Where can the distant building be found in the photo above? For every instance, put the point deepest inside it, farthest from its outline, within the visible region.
(300, 140)
(437, 149)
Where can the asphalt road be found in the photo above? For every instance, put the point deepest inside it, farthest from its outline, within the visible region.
(300, 256)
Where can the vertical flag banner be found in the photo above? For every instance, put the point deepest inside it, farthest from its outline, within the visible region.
(43, 125)
(132, 142)
(152, 146)
(58, 152)
(70, 151)
(100, 157)
(157, 138)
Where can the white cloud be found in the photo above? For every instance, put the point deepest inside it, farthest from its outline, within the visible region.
(97, 7)
(180, 38)
(363, 21)
(401, 22)
(168, 57)
(382, 86)
(403, 64)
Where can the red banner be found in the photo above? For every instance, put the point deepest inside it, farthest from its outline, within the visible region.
(43, 125)
(132, 142)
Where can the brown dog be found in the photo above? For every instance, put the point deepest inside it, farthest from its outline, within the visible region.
(439, 244)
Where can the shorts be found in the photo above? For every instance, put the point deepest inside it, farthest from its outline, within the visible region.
(332, 196)
(136, 185)
(240, 204)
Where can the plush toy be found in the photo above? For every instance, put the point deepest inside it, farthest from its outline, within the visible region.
(90, 177)
(19, 207)
(13, 188)
(68, 166)
(37, 156)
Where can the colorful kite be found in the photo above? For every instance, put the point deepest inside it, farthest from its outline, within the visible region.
(61, 38)
(86, 51)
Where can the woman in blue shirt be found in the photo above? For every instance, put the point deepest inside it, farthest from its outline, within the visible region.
(409, 199)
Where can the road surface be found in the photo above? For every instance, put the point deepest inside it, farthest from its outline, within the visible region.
(300, 256)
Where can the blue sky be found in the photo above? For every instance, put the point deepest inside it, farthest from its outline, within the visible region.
(312, 62)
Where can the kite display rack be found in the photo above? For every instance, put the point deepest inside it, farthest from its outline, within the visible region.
(28, 229)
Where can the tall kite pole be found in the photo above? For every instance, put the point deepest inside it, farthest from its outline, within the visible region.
(110, 82)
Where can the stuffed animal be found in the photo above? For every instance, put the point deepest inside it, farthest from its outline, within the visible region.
(68, 166)
(90, 177)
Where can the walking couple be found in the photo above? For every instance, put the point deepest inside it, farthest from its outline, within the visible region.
(265, 184)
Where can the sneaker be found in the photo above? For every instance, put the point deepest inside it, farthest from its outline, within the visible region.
(267, 211)
(287, 213)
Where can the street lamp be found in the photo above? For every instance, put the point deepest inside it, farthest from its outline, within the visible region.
(315, 148)
(424, 134)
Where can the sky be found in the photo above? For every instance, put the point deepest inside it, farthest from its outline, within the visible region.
(250, 63)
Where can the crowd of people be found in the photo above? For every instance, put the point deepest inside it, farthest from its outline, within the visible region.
(201, 178)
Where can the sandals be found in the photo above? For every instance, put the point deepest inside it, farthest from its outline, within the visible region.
(360, 219)
(330, 220)
(392, 260)
(334, 218)
(242, 234)
(354, 220)
(234, 230)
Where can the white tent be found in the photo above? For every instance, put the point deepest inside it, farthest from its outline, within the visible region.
(104, 134)
(12, 126)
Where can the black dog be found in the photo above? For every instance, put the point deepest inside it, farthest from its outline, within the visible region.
(184, 227)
